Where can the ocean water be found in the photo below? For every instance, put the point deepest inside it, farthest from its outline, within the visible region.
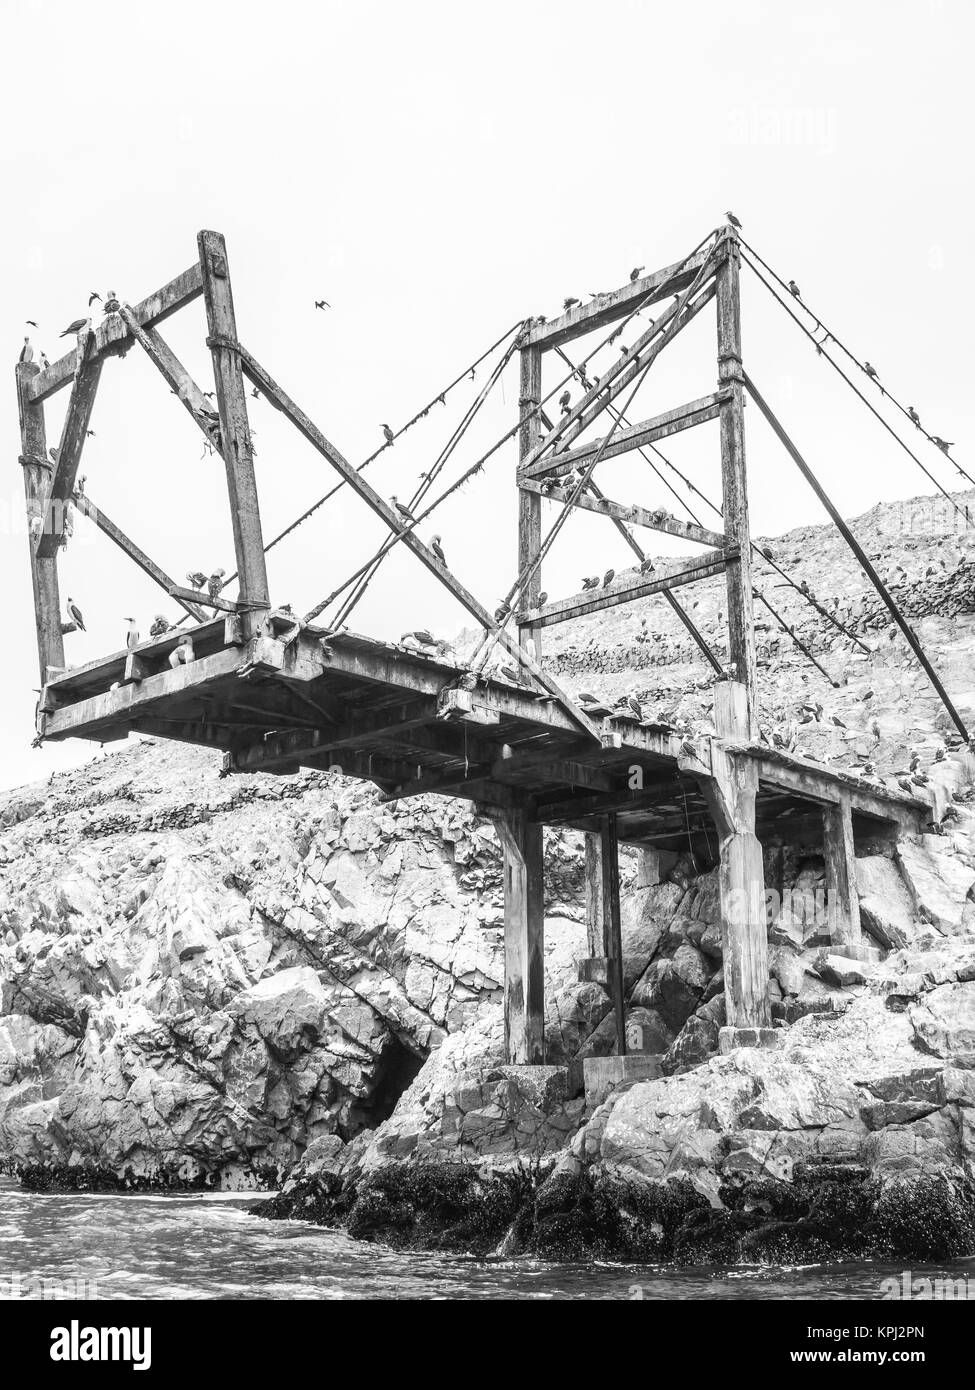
(209, 1247)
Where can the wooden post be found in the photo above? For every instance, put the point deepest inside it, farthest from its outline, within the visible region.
(594, 896)
(235, 432)
(612, 931)
(741, 628)
(524, 975)
(37, 482)
(839, 851)
(529, 503)
(731, 793)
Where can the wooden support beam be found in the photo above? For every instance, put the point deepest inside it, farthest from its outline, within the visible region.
(731, 792)
(682, 417)
(811, 783)
(238, 453)
(184, 388)
(223, 605)
(37, 471)
(300, 420)
(529, 506)
(607, 308)
(734, 491)
(112, 334)
(300, 746)
(839, 853)
(634, 516)
(593, 600)
(595, 938)
(185, 598)
(612, 930)
(73, 434)
(524, 971)
(622, 374)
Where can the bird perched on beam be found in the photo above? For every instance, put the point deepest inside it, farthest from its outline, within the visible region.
(501, 612)
(388, 433)
(215, 582)
(794, 290)
(421, 635)
(733, 220)
(26, 352)
(182, 654)
(608, 578)
(196, 580)
(569, 303)
(914, 416)
(564, 400)
(634, 706)
(402, 509)
(437, 549)
(592, 582)
(587, 698)
(646, 565)
(74, 615)
(75, 326)
(132, 636)
(111, 305)
(159, 626)
(542, 599)
(635, 273)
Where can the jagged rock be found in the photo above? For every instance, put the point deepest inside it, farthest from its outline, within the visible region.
(938, 884)
(943, 1020)
(887, 911)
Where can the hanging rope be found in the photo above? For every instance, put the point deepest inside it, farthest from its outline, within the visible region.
(821, 350)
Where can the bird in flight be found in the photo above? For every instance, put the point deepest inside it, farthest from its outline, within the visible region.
(75, 326)
(389, 434)
(90, 433)
(794, 289)
(30, 322)
(322, 304)
(733, 220)
(92, 297)
(635, 273)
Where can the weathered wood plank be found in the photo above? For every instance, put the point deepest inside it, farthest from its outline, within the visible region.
(681, 417)
(73, 434)
(112, 335)
(595, 938)
(524, 975)
(37, 483)
(635, 515)
(594, 600)
(235, 434)
(606, 309)
(839, 854)
(530, 507)
(612, 929)
(86, 507)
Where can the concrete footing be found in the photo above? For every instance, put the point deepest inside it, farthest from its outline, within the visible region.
(730, 1038)
(601, 1075)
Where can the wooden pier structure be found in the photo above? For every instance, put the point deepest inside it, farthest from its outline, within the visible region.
(276, 694)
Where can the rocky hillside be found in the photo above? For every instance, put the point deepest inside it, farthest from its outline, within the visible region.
(209, 979)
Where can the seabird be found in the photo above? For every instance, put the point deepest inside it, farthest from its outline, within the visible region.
(733, 220)
(634, 705)
(215, 582)
(75, 326)
(182, 653)
(588, 698)
(74, 615)
(44, 362)
(26, 352)
(501, 612)
(914, 416)
(646, 565)
(196, 579)
(132, 636)
(592, 582)
(608, 578)
(437, 549)
(564, 400)
(568, 303)
(871, 371)
(404, 511)
(635, 273)
(92, 297)
(794, 289)
(943, 444)
(111, 305)
(322, 304)
(159, 626)
(31, 323)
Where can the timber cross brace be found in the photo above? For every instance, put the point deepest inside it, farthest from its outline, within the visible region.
(274, 694)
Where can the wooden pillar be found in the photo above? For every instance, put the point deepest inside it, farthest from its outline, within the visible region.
(741, 628)
(38, 471)
(530, 503)
(235, 432)
(524, 974)
(731, 792)
(839, 852)
(594, 895)
(612, 931)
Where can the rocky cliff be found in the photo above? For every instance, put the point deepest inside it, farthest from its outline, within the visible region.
(252, 979)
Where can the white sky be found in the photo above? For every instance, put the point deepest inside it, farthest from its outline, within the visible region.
(437, 172)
